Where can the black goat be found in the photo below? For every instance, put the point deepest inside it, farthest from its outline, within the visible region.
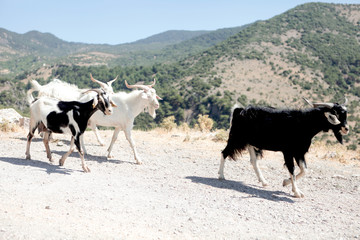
(52, 115)
(288, 131)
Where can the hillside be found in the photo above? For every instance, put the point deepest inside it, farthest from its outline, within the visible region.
(171, 37)
(312, 50)
(21, 53)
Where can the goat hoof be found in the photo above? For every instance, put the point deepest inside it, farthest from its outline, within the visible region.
(61, 163)
(28, 157)
(221, 177)
(86, 169)
(286, 182)
(299, 194)
(264, 184)
(138, 162)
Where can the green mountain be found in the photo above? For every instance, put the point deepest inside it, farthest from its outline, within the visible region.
(29, 51)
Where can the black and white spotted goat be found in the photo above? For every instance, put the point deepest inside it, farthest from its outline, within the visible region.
(288, 131)
(52, 115)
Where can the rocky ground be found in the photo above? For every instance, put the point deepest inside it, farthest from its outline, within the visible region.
(174, 194)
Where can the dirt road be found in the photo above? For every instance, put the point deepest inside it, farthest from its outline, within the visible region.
(174, 194)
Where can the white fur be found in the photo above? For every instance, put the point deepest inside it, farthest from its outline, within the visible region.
(129, 105)
(61, 90)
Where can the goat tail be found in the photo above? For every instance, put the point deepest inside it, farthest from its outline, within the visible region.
(29, 97)
(35, 88)
(35, 85)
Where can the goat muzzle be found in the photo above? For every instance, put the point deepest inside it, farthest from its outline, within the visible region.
(344, 130)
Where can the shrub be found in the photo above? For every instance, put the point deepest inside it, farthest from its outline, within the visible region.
(184, 127)
(221, 136)
(168, 123)
(205, 123)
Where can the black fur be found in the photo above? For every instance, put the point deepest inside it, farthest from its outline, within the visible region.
(288, 131)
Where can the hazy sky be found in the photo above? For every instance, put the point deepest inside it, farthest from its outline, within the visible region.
(118, 21)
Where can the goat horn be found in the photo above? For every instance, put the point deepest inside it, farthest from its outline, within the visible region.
(308, 101)
(111, 81)
(346, 101)
(95, 99)
(98, 91)
(97, 81)
(143, 87)
(153, 84)
(328, 105)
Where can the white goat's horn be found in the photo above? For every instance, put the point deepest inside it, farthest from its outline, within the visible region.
(98, 91)
(153, 84)
(346, 101)
(111, 81)
(143, 87)
(97, 81)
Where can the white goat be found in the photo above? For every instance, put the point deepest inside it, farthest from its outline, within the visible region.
(65, 91)
(129, 105)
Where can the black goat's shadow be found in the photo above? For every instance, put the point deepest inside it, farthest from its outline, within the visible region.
(240, 187)
(46, 166)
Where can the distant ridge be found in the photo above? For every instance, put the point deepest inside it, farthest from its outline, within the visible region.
(171, 37)
(33, 49)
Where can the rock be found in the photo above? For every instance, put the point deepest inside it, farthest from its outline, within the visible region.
(9, 115)
(339, 176)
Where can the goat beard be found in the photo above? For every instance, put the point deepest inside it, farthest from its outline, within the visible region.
(338, 136)
(152, 112)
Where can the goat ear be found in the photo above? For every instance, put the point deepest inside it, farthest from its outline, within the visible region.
(332, 118)
(112, 104)
(159, 98)
(95, 102)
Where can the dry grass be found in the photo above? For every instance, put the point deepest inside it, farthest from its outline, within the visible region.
(9, 127)
(336, 152)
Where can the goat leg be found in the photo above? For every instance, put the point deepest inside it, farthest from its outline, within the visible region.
(289, 162)
(78, 146)
(132, 145)
(301, 174)
(96, 132)
(254, 163)
(32, 130)
(63, 158)
(46, 143)
(221, 168)
(113, 140)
